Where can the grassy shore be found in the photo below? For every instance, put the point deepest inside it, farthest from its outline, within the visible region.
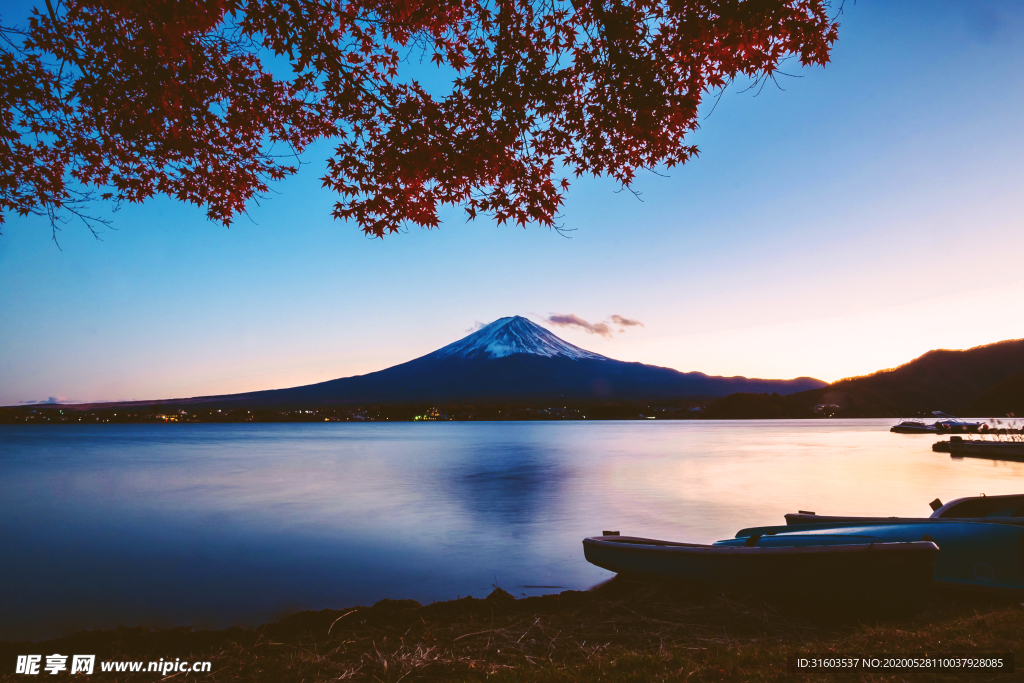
(621, 631)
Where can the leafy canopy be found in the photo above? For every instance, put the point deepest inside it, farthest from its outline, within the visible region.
(185, 98)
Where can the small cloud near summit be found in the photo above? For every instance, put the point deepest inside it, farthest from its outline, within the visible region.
(572, 320)
(625, 322)
(602, 328)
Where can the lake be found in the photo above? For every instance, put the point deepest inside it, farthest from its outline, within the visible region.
(212, 525)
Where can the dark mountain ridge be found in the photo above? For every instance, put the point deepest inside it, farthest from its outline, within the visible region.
(979, 381)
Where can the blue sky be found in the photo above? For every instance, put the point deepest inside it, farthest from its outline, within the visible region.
(868, 213)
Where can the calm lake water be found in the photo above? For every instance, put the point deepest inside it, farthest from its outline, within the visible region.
(217, 525)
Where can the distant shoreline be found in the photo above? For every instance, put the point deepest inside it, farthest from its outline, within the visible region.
(87, 420)
(731, 407)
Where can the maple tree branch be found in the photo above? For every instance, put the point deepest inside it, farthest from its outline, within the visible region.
(191, 107)
(68, 45)
(5, 30)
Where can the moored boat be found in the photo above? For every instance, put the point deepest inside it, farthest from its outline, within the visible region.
(869, 571)
(958, 447)
(945, 424)
(914, 427)
(949, 423)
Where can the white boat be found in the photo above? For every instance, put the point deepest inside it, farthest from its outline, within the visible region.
(914, 427)
(948, 423)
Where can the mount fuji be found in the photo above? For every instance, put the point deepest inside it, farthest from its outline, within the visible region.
(509, 336)
(510, 360)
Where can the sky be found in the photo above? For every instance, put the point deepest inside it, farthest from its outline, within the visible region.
(864, 214)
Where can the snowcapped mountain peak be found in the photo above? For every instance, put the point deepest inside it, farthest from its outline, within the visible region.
(516, 334)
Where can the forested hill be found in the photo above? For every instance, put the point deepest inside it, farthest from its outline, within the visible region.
(985, 381)
(1004, 398)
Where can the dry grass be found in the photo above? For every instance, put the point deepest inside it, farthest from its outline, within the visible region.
(622, 631)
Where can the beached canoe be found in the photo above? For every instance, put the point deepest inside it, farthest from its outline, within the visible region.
(973, 555)
(895, 575)
(997, 509)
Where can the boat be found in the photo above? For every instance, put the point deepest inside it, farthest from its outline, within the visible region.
(861, 573)
(914, 427)
(948, 423)
(945, 424)
(993, 450)
(978, 556)
(997, 509)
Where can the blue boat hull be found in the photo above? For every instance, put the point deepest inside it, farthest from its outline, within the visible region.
(1007, 509)
(973, 555)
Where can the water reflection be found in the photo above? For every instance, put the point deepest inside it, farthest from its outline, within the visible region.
(506, 485)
